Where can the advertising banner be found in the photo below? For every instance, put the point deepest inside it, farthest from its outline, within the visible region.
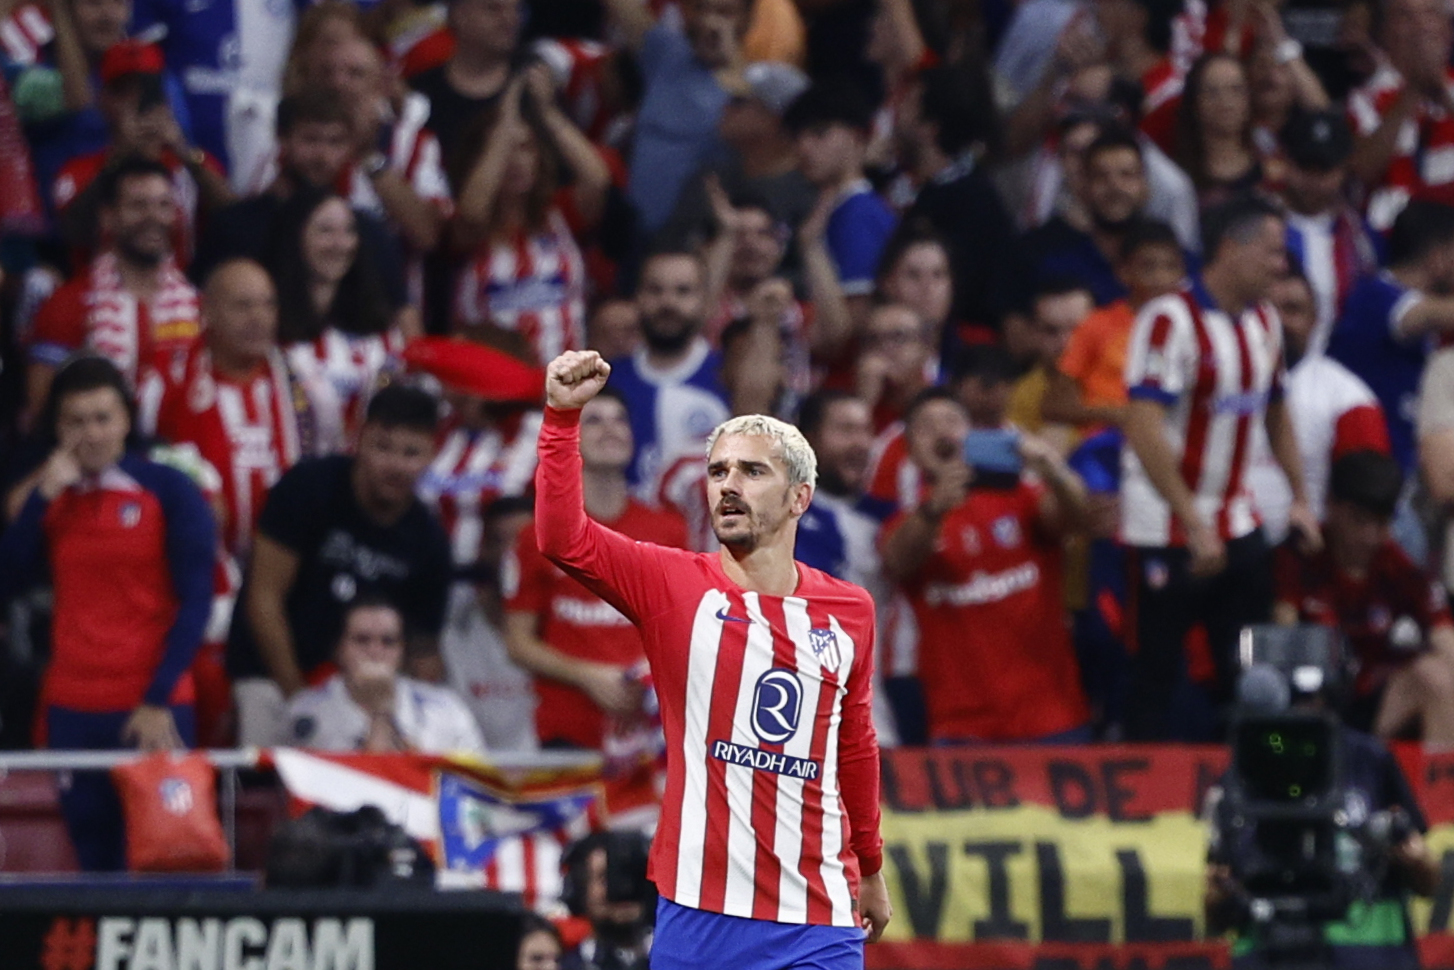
(1070, 858)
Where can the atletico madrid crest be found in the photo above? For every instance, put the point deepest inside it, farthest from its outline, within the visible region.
(824, 643)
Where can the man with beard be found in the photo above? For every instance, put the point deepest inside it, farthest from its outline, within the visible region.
(673, 384)
(1115, 194)
(139, 123)
(335, 529)
(132, 302)
(314, 146)
(769, 852)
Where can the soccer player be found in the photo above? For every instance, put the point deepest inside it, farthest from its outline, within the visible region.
(769, 839)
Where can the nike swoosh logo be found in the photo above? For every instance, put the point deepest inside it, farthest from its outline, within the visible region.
(722, 614)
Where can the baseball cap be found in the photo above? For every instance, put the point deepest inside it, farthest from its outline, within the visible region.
(130, 57)
(775, 84)
(1319, 140)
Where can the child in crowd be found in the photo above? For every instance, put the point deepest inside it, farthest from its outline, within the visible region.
(1088, 386)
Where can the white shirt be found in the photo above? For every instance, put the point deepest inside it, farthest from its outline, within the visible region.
(430, 719)
(1319, 392)
(499, 694)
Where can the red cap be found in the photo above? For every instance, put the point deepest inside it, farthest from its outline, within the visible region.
(475, 369)
(130, 57)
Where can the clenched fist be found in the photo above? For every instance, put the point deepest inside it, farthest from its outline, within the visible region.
(574, 378)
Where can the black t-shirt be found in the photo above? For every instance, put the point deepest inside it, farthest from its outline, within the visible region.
(450, 112)
(343, 553)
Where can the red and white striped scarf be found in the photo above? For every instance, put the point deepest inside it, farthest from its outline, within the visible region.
(114, 325)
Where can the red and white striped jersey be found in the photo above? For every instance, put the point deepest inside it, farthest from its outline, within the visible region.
(1423, 154)
(414, 153)
(24, 33)
(1216, 377)
(579, 69)
(473, 468)
(534, 284)
(350, 366)
(248, 431)
(771, 806)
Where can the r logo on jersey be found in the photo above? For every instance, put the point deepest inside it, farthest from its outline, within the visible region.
(824, 644)
(777, 705)
(130, 515)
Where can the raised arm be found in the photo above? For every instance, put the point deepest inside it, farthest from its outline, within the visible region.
(627, 574)
(477, 201)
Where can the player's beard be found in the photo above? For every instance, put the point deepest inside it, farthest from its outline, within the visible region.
(745, 541)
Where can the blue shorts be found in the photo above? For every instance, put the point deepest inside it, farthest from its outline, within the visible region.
(692, 939)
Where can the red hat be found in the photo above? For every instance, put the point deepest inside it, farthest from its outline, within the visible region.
(471, 368)
(130, 57)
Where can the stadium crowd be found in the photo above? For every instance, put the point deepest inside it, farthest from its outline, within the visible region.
(1116, 326)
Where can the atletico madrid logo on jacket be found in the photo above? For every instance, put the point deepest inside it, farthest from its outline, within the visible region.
(825, 647)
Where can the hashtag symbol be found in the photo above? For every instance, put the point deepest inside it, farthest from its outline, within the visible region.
(70, 945)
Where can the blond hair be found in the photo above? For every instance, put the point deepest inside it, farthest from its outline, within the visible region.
(797, 454)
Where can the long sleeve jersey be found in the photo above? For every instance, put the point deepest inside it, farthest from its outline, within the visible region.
(771, 804)
(130, 555)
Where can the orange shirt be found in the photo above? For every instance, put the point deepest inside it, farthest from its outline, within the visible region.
(1095, 358)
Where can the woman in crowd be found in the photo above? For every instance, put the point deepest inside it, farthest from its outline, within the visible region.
(1214, 130)
(524, 269)
(334, 320)
(127, 545)
(915, 271)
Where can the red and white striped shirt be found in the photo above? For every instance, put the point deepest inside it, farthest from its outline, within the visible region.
(1423, 154)
(771, 806)
(1216, 377)
(414, 154)
(250, 431)
(350, 366)
(473, 468)
(24, 33)
(534, 284)
(579, 69)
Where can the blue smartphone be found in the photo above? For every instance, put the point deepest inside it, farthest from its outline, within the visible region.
(994, 454)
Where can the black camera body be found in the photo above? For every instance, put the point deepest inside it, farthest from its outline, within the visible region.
(1302, 845)
(1285, 805)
